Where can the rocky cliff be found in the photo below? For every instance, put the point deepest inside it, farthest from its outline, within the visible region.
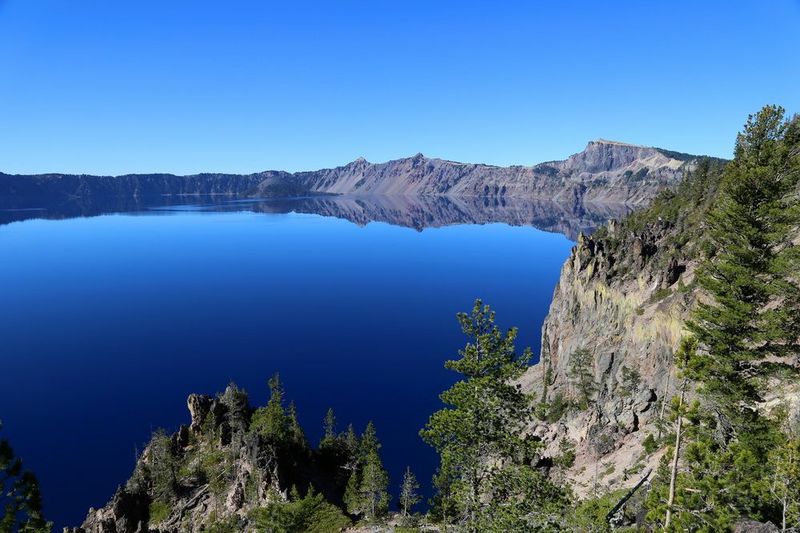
(605, 171)
(218, 472)
(618, 314)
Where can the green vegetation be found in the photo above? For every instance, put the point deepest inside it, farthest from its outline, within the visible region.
(581, 376)
(737, 460)
(409, 496)
(20, 499)
(309, 514)
(650, 445)
(485, 480)
(366, 494)
(159, 511)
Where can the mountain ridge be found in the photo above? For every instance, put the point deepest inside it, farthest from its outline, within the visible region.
(605, 171)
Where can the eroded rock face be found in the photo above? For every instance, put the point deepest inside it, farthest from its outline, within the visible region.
(751, 526)
(199, 408)
(126, 513)
(209, 485)
(613, 303)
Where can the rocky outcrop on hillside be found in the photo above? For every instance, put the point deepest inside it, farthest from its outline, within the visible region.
(617, 316)
(605, 171)
(211, 472)
(627, 309)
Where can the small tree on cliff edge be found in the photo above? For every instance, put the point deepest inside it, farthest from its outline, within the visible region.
(479, 435)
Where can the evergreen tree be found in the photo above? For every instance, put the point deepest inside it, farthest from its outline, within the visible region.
(748, 228)
(409, 496)
(366, 492)
(162, 466)
(581, 375)
(479, 436)
(351, 446)
(329, 429)
(745, 327)
(784, 485)
(443, 503)
(20, 498)
(271, 421)
(352, 495)
(296, 433)
(373, 487)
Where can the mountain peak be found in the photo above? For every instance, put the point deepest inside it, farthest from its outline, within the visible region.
(615, 143)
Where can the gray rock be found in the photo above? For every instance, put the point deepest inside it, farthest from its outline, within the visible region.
(752, 526)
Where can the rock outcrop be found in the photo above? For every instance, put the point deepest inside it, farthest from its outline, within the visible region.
(630, 321)
(623, 297)
(216, 471)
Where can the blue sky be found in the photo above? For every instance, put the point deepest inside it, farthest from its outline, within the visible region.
(186, 86)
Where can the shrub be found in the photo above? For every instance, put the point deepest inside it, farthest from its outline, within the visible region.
(310, 514)
(650, 445)
(159, 511)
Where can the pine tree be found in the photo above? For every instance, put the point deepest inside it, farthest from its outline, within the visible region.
(352, 495)
(687, 350)
(329, 429)
(443, 503)
(581, 375)
(740, 327)
(271, 421)
(296, 433)
(744, 334)
(351, 446)
(408, 492)
(479, 436)
(784, 486)
(20, 497)
(372, 489)
(369, 440)
(163, 466)
(366, 493)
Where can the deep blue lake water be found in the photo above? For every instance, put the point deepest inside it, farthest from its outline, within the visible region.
(107, 323)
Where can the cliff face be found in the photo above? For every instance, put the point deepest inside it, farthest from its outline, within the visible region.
(623, 296)
(604, 172)
(213, 473)
(630, 325)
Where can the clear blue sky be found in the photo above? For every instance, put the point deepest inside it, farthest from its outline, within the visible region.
(187, 85)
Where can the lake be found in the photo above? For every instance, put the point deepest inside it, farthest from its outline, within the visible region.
(108, 322)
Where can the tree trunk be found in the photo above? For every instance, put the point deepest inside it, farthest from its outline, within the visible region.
(664, 403)
(783, 513)
(675, 457)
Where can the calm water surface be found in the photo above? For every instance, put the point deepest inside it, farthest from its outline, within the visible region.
(108, 323)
